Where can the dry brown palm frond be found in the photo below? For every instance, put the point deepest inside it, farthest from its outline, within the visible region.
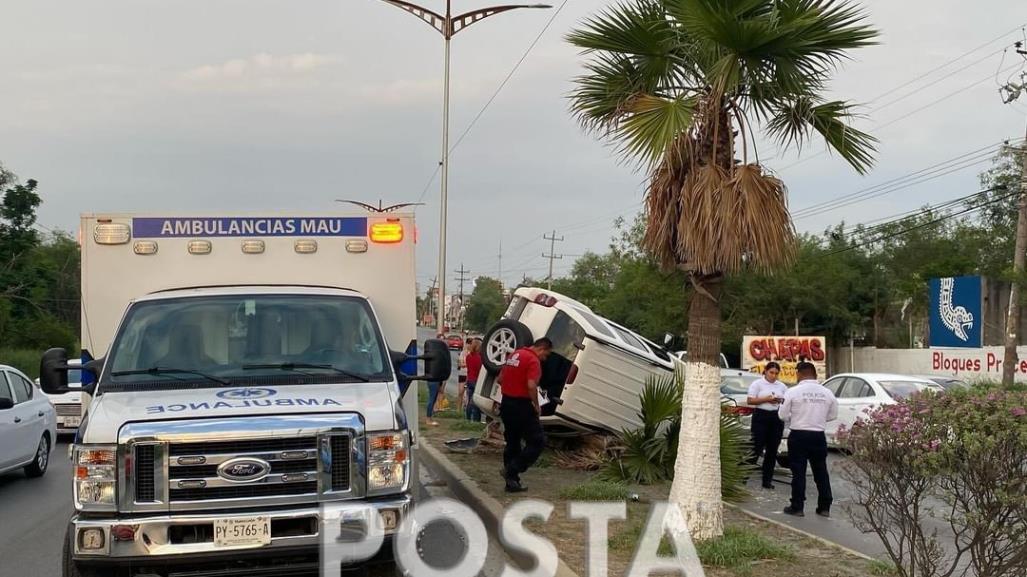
(764, 224)
(709, 219)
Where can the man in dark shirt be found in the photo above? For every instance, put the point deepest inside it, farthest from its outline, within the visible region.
(520, 411)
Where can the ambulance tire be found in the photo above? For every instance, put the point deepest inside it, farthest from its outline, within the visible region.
(503, 338)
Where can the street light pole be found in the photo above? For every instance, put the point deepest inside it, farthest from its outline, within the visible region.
(448, 26)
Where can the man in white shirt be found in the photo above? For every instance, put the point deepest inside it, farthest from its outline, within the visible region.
(807, 407)
(766, 395)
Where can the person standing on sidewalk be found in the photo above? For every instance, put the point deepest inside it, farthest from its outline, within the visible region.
(472, 412)
(461, 379)
(766, 395)
(807, 407)
(520, 411)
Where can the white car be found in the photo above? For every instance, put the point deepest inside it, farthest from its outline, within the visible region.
(69, 405)
(860, 393)
(28, 424)
(595, 374)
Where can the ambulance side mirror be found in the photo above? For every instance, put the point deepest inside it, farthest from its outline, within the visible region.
(438, 364)
(53, 372)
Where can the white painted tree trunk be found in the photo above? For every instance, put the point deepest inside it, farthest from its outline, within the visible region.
(696, 487)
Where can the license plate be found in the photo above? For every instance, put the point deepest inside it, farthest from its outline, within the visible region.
(70, 422)
(251, 531)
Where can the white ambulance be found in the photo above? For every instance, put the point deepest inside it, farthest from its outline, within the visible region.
(240, 372)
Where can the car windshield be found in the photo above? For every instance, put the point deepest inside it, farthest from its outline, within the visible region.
(226, 338)
(899, 390)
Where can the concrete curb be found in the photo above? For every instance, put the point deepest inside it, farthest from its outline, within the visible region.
(488, 508)
(805, 534)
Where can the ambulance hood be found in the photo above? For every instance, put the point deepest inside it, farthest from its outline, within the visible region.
(376, 403)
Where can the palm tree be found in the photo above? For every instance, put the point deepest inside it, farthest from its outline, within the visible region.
(681, 87)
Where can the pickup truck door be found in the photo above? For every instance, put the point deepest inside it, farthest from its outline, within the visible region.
(28, 417)
(7, 441)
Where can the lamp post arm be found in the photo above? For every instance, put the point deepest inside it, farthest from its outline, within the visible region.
(436, 21)
(466, 19)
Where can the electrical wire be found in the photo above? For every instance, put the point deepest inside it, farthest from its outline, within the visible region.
(495, 94)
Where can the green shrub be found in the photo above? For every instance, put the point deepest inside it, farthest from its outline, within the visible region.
(596, 490)
(25, 360)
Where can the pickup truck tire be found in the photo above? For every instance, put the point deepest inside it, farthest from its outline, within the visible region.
(39, 464)
(503, 338)
(69, 567)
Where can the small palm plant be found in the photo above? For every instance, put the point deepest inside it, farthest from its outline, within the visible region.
(649, 453)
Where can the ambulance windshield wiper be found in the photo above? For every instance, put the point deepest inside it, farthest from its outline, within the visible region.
(169, 371)
(297, 367)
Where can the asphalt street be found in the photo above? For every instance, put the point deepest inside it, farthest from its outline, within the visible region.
(34, 514)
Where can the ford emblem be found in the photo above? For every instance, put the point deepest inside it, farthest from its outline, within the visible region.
(244, 470)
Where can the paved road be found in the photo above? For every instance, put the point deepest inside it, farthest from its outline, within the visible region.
(34, 513)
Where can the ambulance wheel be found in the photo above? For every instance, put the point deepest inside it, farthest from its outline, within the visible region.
(503, 338)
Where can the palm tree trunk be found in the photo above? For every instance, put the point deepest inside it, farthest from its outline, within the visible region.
(696, 487)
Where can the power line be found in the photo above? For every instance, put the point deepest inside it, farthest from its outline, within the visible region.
(495, 94)
(926, 224)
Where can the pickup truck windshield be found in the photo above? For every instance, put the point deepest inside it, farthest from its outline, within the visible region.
(239, 337)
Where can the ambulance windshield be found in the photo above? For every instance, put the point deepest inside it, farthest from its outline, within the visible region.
(234, 338)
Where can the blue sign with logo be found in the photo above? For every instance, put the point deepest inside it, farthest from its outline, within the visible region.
(178, 227)
(956, 319)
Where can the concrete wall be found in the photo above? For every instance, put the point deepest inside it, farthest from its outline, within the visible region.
(967, 364)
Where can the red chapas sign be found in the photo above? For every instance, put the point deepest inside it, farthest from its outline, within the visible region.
(757, 351)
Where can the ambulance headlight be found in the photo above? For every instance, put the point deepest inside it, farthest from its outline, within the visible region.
(306, 246)
(252, 246)
(96, 477)
(388, 462)
(200, 247)
(145, 247)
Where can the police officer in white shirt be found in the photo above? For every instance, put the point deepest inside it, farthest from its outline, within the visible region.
(766, 395)
(807, 408)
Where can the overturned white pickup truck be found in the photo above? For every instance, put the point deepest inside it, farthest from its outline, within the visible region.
(596, 372)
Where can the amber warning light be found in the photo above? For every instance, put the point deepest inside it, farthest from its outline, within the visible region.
(387, 232)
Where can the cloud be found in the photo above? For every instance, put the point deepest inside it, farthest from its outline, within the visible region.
(260, 66)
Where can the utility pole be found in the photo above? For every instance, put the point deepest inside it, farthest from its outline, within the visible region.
(462, 279)
(449, 25)
(552, 255)
(1010, 359)
(431, 299)
(500, 263)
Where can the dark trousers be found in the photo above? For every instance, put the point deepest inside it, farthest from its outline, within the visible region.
(433, 396)
(809, 447)
(471, 411)
(520, 425)
(767, 429)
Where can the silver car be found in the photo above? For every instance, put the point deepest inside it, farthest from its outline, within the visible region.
(28, 424)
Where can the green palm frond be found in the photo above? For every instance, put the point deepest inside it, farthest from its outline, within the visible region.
(795, 121)
(660, 402)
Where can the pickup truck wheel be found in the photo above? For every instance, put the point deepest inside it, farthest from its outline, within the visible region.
(69, 567)
(38, 466)
(503, 338)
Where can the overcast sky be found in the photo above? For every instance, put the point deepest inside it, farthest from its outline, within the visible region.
(225, 106)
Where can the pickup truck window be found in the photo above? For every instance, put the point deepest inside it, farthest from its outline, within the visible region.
(222, 335)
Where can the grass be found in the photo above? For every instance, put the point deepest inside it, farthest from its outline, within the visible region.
(882, 568)
(739, 548)
(628, 539)
(25, 360)
(596, 491)
(468, 426)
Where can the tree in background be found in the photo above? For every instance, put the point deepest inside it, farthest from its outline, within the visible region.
(39, 276)
(680, 85)
(486, 304)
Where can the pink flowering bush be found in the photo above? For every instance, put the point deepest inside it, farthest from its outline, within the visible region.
(942, 480)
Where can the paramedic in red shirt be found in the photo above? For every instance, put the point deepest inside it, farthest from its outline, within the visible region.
(520, 411)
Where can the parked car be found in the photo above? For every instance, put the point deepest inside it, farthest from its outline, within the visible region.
(596, 372)
(947, 383)
(69, 405)
(455, 342)
(859, 393)
(734, 389)
(28, 424)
